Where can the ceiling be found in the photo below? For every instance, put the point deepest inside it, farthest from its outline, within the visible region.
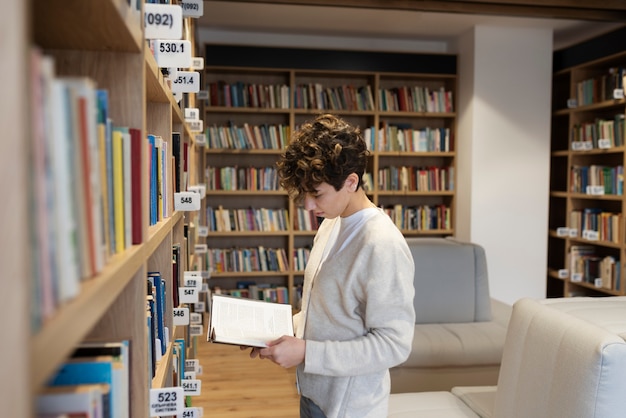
(272, 18)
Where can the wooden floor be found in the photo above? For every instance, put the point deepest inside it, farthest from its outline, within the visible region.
(236, 386)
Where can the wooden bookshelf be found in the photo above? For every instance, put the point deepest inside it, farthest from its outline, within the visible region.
(102, 40)
(570, 159)
(370, 116)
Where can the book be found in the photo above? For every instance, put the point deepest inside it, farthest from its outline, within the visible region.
(74, 400)
(138, 144)
(118, 188)
(247, 322)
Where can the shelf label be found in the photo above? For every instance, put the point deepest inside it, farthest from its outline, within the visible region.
(188, 295)
(573, 232)
(198, 188)
(163, 21)
(192, 412)
(577, 277)
(597, 282)
(190, 375)
(168, 53)
(192, 273)
(604, 143)
(192, 365)
(572, 103)
(203, 231)
(199, 307)
(200, 139)
(193, 282)
(186, 82)
(200, 249)
(181, 316)
(562, 232)
(563, 273)
(205, 287)
(195, 330)
(595, 190)
(192, 113)
(587, 145)
(577, 145)
(195, 125)
(618, 94)
(202, 95)
(591, 235)
(186, 201)
(192, 8)
(195, 318)
(191, 387)
(197, 63)
(167, 401)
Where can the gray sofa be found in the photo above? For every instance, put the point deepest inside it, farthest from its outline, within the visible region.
(459, 330)
(563, 358)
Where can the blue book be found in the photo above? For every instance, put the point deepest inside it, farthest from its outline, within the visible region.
(159, 290)
(153, 179)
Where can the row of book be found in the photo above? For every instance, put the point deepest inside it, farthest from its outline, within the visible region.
(602, 271)
(597, 180)
(252, 290)
(242, 178)
(404, 138)
(601, 133)
(317, 96)
(600, 88)
(305, 220)
(242, 94)
(263, 136)
(420, 218)
(344, 97)
(416, 99)
(420, 179)
(596, 224)
(250, 219)
(301, 258)
(250, 259)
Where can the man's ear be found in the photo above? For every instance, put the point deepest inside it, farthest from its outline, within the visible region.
(352, 182)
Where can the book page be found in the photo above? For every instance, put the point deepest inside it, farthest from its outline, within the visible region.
(248, 322)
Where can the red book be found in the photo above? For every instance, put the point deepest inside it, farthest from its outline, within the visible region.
(137, 145)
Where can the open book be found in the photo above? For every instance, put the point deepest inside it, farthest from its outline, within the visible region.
(248, 322)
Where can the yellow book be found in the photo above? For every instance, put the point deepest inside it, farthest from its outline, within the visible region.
(118, 189)
(104, 186)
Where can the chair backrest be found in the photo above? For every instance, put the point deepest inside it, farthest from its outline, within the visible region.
(557, 364)
(451, 282)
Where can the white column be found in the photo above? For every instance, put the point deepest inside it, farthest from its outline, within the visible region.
(504, 154)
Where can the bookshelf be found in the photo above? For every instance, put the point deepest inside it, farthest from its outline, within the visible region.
(277, 100)
(586, 238)
(102, 40)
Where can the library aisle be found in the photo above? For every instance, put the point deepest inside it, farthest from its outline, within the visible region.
(236, 386)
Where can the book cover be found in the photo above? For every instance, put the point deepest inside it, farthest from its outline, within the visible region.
(137, 150)
(87, 400)
(247, 322)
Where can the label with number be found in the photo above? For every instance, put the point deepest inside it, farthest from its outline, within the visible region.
(573, 232)
(192, 8)
(192, 273)
(203, 231)
(181, 316)
(195, 330)
(618, 94)
(195, 125)
(604, 143)
(597, 282)
(192, 113)
(577, 146)
(167, 401)
(199, 307)
(595, 190)
(563, 274)
(195, 318)
(192, 387)
(186, 82)
(163, 21)
(191, 413)
(192, 365)
(591, 235)
(200, 249)
(198, 188)
(577, 277)
(186, 201)
(188, 295)
(200, 139)
(190, 375)
(562, 232)
(202, 95)
(587, 145)
(197, 63)
(572, 103)
(168, 53)
(194, 282)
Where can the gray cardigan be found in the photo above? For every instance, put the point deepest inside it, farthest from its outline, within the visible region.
(360, 318)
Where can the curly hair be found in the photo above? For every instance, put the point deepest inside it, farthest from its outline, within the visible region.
(326, 150)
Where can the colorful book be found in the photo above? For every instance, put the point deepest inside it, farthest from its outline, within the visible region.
(118, 188)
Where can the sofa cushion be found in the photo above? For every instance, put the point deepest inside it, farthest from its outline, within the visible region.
(480, 399)
(451, 282)
(428, 405)
(558, 365)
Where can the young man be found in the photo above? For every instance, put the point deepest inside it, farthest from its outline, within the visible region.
(357, 317)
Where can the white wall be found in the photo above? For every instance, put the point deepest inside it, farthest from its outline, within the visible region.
(504, 149)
